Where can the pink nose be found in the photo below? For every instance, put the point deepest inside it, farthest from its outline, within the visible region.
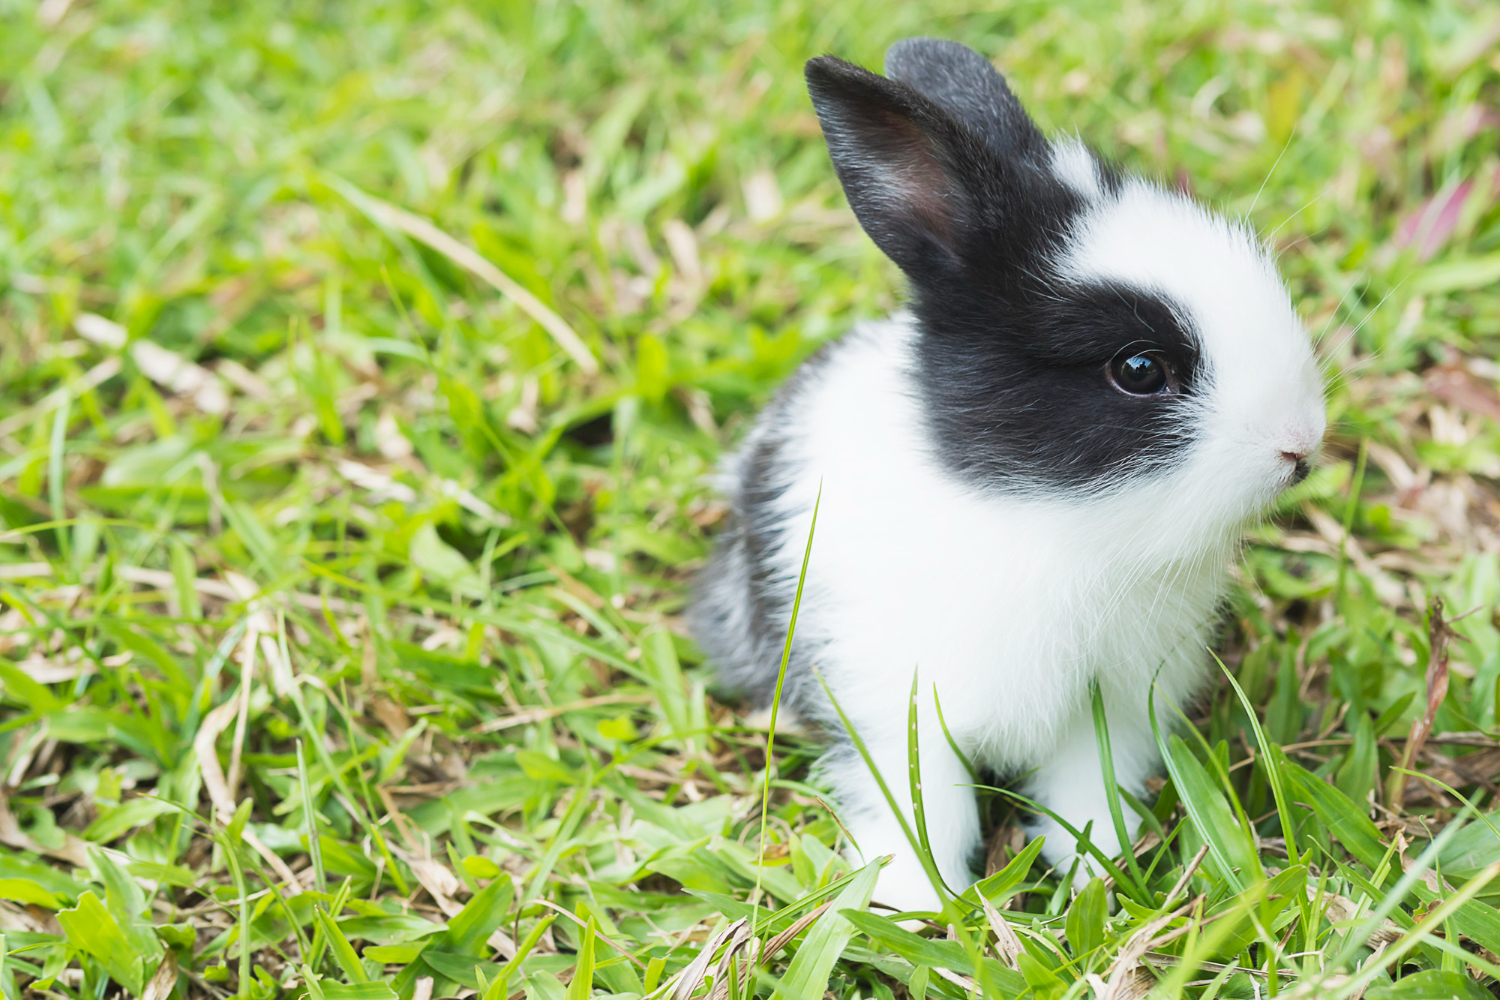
(1295, 456)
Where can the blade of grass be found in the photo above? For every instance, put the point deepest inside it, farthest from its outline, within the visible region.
(1190, 801)
(527, 944)
(786, 656)
(1424, 861)
(1085, 843)
(914, 774)
(310, 815)
(1356, 485)
(390, 217)
(1214, 770)
(338, 944)
(1006, 878)
(582, 986)
(1401, 948)
(237, 876)
(1273, 772)
(1112, 789)
(963, 758)
(859, 745)
(57, 474)
(335, 773)
(1204, 945)
(807, 977)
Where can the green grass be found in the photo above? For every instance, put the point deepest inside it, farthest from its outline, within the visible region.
(366, 576)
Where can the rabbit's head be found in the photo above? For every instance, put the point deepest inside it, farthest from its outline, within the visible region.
(1086, 337)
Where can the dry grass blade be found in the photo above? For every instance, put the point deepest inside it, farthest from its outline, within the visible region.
(1122, 970)
(741, 945)
(1440, 635)
(530, 715)
(217, 786)
(1187, 875)
(223, 591)
(72, 850)
(424, 231)
(209, 731)
(798, 926)
(164, 980)
(1007, 945)
(92, 379)
(617, 946)
(962, 982)
(434, 876)
(168, 369)
(1136, 984)
(687, 982)
(1339, 909)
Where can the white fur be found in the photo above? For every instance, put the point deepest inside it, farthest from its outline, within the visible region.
(1074, 166)
(1010, 607)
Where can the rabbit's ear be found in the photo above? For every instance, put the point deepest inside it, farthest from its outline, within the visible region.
(907, 166)
(963, 83)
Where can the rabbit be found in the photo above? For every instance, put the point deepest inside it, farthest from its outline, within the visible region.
(1033, 478)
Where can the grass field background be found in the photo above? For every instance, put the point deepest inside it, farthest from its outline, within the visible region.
(361, 369)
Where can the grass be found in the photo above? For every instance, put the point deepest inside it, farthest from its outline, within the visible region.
(361, 368)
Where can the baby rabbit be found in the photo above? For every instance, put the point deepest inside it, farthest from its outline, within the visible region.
(1033, 479)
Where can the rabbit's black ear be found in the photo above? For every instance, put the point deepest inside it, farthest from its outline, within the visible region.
(963, 83)
(907, 166)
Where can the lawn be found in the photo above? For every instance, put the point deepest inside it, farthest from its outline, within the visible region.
(363, 368)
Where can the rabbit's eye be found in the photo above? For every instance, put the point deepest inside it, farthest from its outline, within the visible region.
(1140, 374)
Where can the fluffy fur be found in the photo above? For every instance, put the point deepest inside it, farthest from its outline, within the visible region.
(995, 510)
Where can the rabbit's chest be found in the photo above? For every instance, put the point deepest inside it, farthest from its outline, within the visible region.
(1009, 624)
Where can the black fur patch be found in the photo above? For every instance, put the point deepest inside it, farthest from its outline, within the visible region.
(964, 84)
(1017, 393)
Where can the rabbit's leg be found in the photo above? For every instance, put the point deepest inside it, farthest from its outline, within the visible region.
(947, 802)
(1071, 784)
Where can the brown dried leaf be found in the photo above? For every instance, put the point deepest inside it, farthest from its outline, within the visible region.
(74, 851)
(1005, 843)
(688, 980)
(18, 918)
(1133, 985)
(1480, 767)
(1007, 945)
(391, 715)
(164, 981)
(1457, 386)
(1339, 909)
(217, 786)
(779, 941)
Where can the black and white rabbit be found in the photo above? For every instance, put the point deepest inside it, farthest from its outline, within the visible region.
(1033, 479)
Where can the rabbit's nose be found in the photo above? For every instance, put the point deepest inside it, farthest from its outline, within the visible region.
(1298, 439)
(1299, 463)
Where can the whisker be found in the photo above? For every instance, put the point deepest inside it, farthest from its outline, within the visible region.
(1279, 155)
(1316, 198)
(1334, 315)
(1342, 378)
(1369, 315)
